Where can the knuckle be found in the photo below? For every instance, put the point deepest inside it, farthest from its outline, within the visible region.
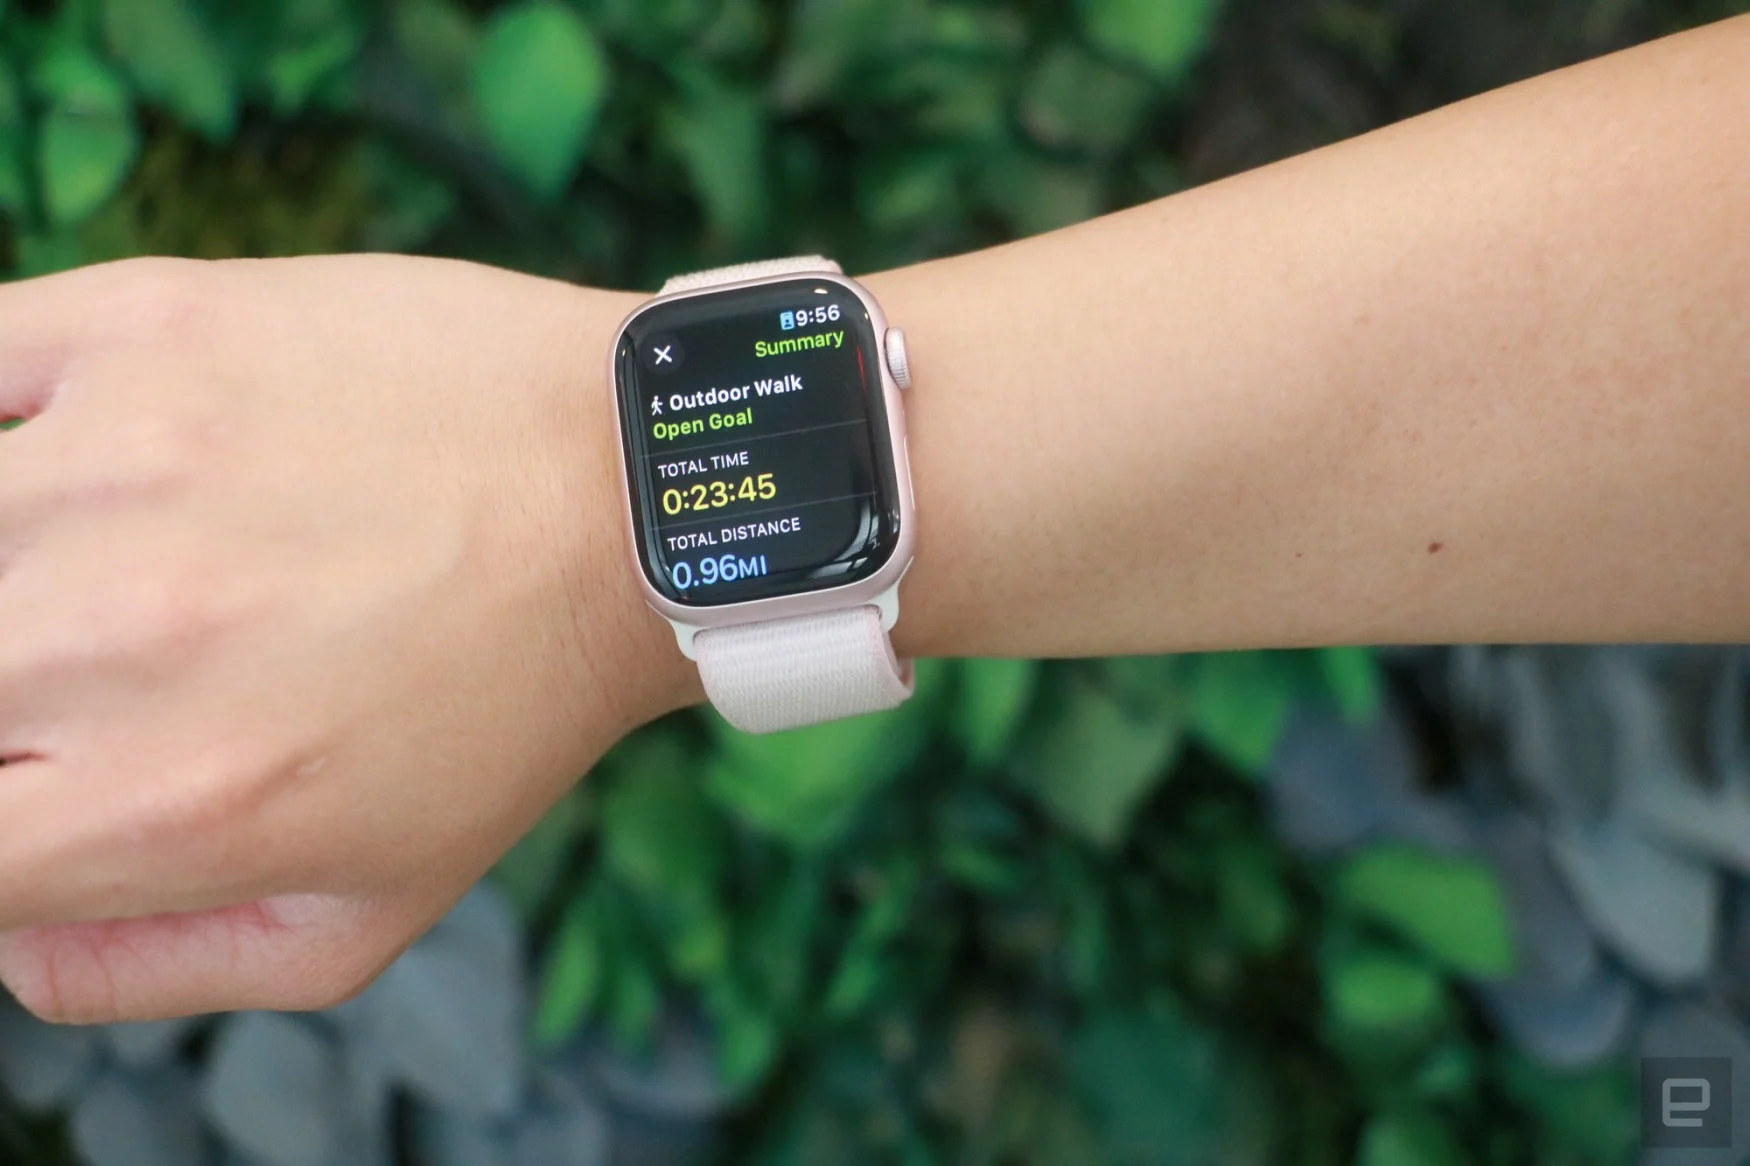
(203, 810)
(158, 448)
(160, 301)
(166, 613)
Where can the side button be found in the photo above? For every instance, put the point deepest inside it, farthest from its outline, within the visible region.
(897, 363)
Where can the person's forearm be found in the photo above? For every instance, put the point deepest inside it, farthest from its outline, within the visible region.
(1481, 376)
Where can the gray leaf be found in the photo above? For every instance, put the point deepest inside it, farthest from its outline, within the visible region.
(1324, 792)
(143, 1046)
(482, 925)
(1685, 1028)
(1439, 823)
(1565, 1028)
(1689, 811)
(1731, 974)
(1555, 945)
(443, 1138)
(1656, 909)
(1705, 698)
(562, 1124)
(273, 1087)
(678, 1079)
(129, 1119)
(1572, 719)
(448, 1015)
(43, 1065)
(366, 1112)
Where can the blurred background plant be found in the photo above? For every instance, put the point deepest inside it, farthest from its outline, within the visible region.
(1415, 908)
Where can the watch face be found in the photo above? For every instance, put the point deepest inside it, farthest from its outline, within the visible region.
(757, 443)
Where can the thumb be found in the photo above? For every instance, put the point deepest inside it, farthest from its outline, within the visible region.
(294, 953)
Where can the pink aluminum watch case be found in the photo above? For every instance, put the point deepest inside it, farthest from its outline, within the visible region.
(835, 598)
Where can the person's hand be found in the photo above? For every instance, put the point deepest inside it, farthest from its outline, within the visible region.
(313, 595)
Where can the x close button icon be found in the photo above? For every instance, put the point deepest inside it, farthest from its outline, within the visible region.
(662, 353)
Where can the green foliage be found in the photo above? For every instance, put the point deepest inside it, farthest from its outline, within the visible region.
(87, 140)
(539, 82)
(1153, 1084)
(572, 974)
(1165, 36)
(992, 700)
(174, 60)
(1092, 763)
(1375, 992)
(1450, 908)
(1408, 1140)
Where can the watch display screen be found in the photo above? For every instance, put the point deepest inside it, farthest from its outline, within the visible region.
(757, 443)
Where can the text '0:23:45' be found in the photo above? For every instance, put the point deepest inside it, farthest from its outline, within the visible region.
(716, 495)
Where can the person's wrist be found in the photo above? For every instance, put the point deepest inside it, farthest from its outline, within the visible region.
(630, 663)
(934, 614)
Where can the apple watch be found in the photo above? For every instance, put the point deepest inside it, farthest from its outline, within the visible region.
(769, 500)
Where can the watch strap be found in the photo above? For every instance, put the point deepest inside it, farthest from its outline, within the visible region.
(712, 277)
(784, 673)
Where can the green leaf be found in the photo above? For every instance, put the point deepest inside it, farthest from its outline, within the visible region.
(1369, 990)
(659, 835)
(908, 190)
(1164, 36)
(1451, 908)
(571, 975)
(11, 423)
(720, 134)
(313, 42)
(749, 1039)
(1254, 904)
(829, 38)
(1240, 705)
(992, 700)
(807, 785)
(1035, 194)
(980, 868)
(1352, 675)
(290, 53)
(174, 60)
(539, 84)
(775, 939)
(865, 961)
(1091, 763)
(441, 38)
(1409, 1139)
(1447, 1073)
(14, 136)
(634, 1001)
(46, 252)
(528, 875)
(86, 141)
(1153, 1081)
(854, 983)
(1587, 1116)
(1073, 100)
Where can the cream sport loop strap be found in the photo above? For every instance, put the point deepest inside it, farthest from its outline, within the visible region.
(785, 673)
(716, 276)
